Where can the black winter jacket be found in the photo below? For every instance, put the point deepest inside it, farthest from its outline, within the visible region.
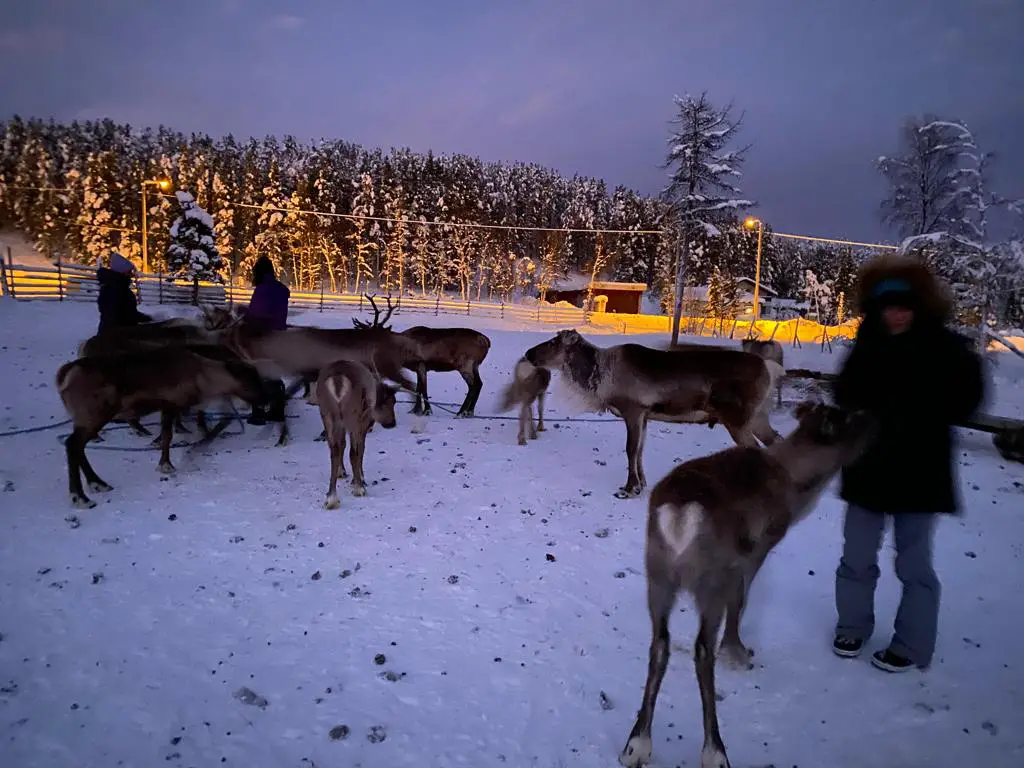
(917, 384)
(116, 301)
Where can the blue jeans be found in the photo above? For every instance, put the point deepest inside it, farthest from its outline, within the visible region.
(917, 618)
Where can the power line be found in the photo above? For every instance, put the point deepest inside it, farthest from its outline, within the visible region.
(455, 224)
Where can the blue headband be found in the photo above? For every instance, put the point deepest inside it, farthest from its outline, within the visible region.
(891, 285)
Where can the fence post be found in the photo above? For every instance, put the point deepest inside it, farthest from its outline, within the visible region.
(467, 307)
(60, 279)
(321, 293)
(4, 290)
(160, 285)
(437, 304)
(502, 307)
(10, 272)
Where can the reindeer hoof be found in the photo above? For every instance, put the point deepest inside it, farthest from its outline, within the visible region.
(80, 501)
(155, 442)
(322, 437)
(628, 493)
(100, 487)
(358, 490)
(737, 657)
(165, 468)
(332, 502)
(712, 757)
(637, 752)
(522, 440)
(540, 428)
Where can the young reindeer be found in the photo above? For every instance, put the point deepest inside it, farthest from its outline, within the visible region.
(441, 350)
(95, 390)
(351, 399)
(529, 384)
(767, 350)
(711, 523)
(690, 385)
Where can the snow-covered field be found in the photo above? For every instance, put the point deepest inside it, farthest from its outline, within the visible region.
(482, 606)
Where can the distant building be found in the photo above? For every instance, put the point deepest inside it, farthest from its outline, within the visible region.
(622, 298)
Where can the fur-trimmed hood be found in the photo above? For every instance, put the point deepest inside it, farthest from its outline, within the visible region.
(931, 298)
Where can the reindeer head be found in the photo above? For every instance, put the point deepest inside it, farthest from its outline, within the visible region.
(219, 318)
(832, 430)
(384, 409)
(551, 353)
(376, 322)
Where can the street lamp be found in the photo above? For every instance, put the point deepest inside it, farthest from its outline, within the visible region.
(163, 185)
(750, 223)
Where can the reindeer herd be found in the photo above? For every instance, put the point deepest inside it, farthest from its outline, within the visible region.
(711, 522)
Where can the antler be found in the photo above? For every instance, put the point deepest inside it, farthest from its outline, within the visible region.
(377, 322)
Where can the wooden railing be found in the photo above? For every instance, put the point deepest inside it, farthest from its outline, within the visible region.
(72, 282)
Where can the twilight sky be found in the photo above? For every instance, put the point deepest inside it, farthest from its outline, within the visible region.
(584, 86)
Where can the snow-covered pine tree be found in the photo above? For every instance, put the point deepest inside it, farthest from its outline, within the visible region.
(932, 181)
(192, 254)
(700, 189)
(820, 296)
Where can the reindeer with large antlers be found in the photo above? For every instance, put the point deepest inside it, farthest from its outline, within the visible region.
(442, 350)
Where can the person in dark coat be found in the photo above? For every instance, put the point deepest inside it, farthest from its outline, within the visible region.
(268, 307)
(267, 311)
(117, 304)
(918, 379)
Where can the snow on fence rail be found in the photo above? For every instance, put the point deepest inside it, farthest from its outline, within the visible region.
(73, 282)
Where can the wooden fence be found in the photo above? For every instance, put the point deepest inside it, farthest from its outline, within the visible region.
(73, 282)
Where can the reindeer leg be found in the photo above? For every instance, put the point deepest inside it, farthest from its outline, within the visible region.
(732, 649)
(356, 459)
(634, 435)
(138, 429)
(74, 447)
(742, 435)
(478, 386)
(204, 428)
(337, 447)
(179, 426)
(421, 390)
(540, 412)
(466, 409)
(661, 597)
(166, 431)
(94, 481)
(713, 753)
(525, 417)
(640, 452)
(322, 436)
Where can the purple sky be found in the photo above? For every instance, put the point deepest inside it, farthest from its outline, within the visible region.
(579, 85)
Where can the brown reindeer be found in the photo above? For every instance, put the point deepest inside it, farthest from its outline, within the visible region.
(711, 523)
(351, 399)
(693, 385)
(529, 384)
(169, 379)
(767, 350)
(442, 350)
(136, 338)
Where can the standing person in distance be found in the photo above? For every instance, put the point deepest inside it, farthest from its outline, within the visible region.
(267, 311)
(918, 379)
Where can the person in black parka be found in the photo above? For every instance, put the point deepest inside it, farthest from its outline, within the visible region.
(918, 379)
(116, 301)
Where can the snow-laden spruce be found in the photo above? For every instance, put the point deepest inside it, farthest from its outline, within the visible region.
(192, 254)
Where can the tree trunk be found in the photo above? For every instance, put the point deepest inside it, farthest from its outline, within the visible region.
(677, 312)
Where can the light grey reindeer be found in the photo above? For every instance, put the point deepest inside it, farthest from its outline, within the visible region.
(529, 384)
(768, 349)
(711, 523)
(690, 385)
(351, 399)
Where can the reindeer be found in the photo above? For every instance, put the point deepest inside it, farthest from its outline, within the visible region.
(767, 350)
(442, 350)
(694, 385)
(95, 390)
(711, 523)
(529, 383)
(351, 399)
(133, 338)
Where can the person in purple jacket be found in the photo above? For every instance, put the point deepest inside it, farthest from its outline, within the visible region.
(267, 311)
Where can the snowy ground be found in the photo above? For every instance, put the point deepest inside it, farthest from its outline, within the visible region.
(471, 610)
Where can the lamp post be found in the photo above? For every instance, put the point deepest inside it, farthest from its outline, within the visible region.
(163, 184)
(750, 223)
